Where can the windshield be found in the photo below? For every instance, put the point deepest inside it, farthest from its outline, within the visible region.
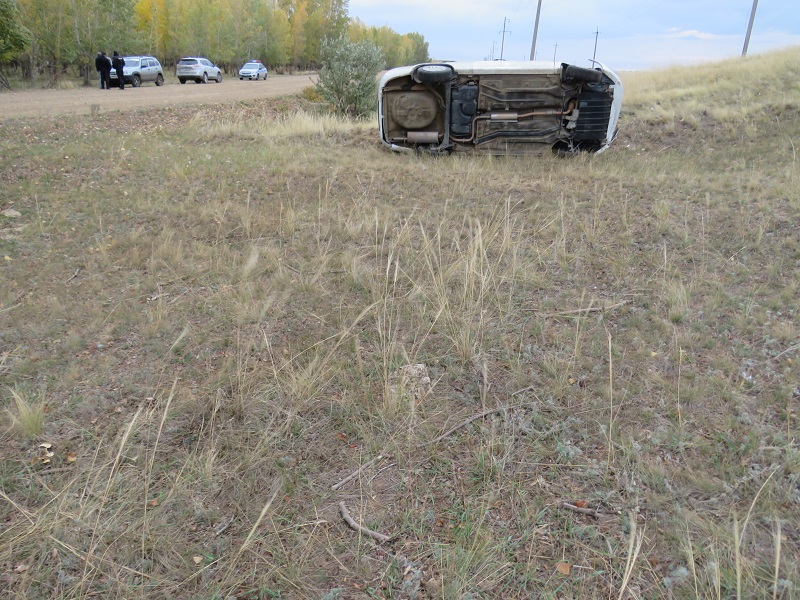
(251, 66)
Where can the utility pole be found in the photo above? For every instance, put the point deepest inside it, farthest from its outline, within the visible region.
(596, 34)
(554, 53)
(503, 42)
(535, 31)
(749, 28)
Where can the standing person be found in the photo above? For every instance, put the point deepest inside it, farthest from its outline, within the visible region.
(99, 65)
(105, 71)
(118, 62)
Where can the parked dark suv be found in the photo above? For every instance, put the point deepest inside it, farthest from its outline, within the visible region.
(140, 69)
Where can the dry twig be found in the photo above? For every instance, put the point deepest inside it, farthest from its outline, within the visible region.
(356, 473)
(360, 528)
(474, 418)
(578, 509)
(581, 311)
(74, 275)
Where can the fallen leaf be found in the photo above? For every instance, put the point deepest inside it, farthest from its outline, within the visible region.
(197, 559)
(153, 502)
(564, 568)
(341, 436)
(21, 568)
(7, 257)
(45, 445)
(71, 457)
(581, 504)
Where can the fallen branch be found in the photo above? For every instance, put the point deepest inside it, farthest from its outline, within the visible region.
(355, 473)
(580, 311)
(360, 528)
(578, 509)
(224, 525)
(74, 275)
(485, 413)
(787, 351)
(462, 424)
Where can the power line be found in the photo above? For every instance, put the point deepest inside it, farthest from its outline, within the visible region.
(503, 42)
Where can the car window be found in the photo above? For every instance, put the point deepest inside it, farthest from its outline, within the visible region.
(188, 61)
(133, 63)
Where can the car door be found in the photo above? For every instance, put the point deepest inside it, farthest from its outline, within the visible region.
(151, 70)
(144, 70)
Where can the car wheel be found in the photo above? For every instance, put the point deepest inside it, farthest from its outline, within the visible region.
(136, 81)
(219, 77)
(182, 80)
(433, 73)
(159, 79)
(241, 78)
(205, 78)
(572, 75)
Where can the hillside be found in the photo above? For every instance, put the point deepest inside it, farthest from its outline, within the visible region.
(548, 378)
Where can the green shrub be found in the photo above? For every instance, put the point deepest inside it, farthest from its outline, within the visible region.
(311, 93)
(347, 79)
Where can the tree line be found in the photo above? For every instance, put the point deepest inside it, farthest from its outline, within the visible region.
(287, 35)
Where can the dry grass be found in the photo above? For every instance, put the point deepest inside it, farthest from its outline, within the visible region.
(213, 353)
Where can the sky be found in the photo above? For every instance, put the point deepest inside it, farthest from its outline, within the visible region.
(633, 34)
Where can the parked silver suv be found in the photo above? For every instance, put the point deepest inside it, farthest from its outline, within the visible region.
(198, 69)
(138, 70)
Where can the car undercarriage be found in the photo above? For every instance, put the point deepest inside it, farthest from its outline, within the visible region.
(499, 108)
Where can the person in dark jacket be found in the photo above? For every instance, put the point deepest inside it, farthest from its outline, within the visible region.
(99, 65)
(105, 71)
(118, 62)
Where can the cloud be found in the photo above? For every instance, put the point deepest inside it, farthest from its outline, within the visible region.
(695, 34)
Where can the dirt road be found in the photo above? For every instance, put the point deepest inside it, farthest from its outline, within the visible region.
(29, 103)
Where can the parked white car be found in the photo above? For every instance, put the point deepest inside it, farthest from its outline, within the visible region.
(198, 69)
(253, 69)
(499, 107)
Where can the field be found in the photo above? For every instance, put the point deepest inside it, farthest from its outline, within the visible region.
(547, 378)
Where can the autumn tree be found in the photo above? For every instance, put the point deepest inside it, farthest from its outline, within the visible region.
(14, 38)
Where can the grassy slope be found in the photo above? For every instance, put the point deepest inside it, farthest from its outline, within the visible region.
(210, 319)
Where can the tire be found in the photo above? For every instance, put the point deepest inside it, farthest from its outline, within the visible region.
(182, 80)
(570, 74)
(136, 81)
(219, 77)
(241, 78)
(159, 80)
(433, 73)
(205, 78)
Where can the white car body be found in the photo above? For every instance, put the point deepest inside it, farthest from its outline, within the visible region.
(253, 70)
(198, 69)
(499, 107)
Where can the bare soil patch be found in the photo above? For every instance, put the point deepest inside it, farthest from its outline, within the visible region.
(30, 103)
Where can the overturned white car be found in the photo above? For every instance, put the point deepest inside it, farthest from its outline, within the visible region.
(499, 107)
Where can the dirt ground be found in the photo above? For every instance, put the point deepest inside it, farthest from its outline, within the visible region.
(93, 100)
